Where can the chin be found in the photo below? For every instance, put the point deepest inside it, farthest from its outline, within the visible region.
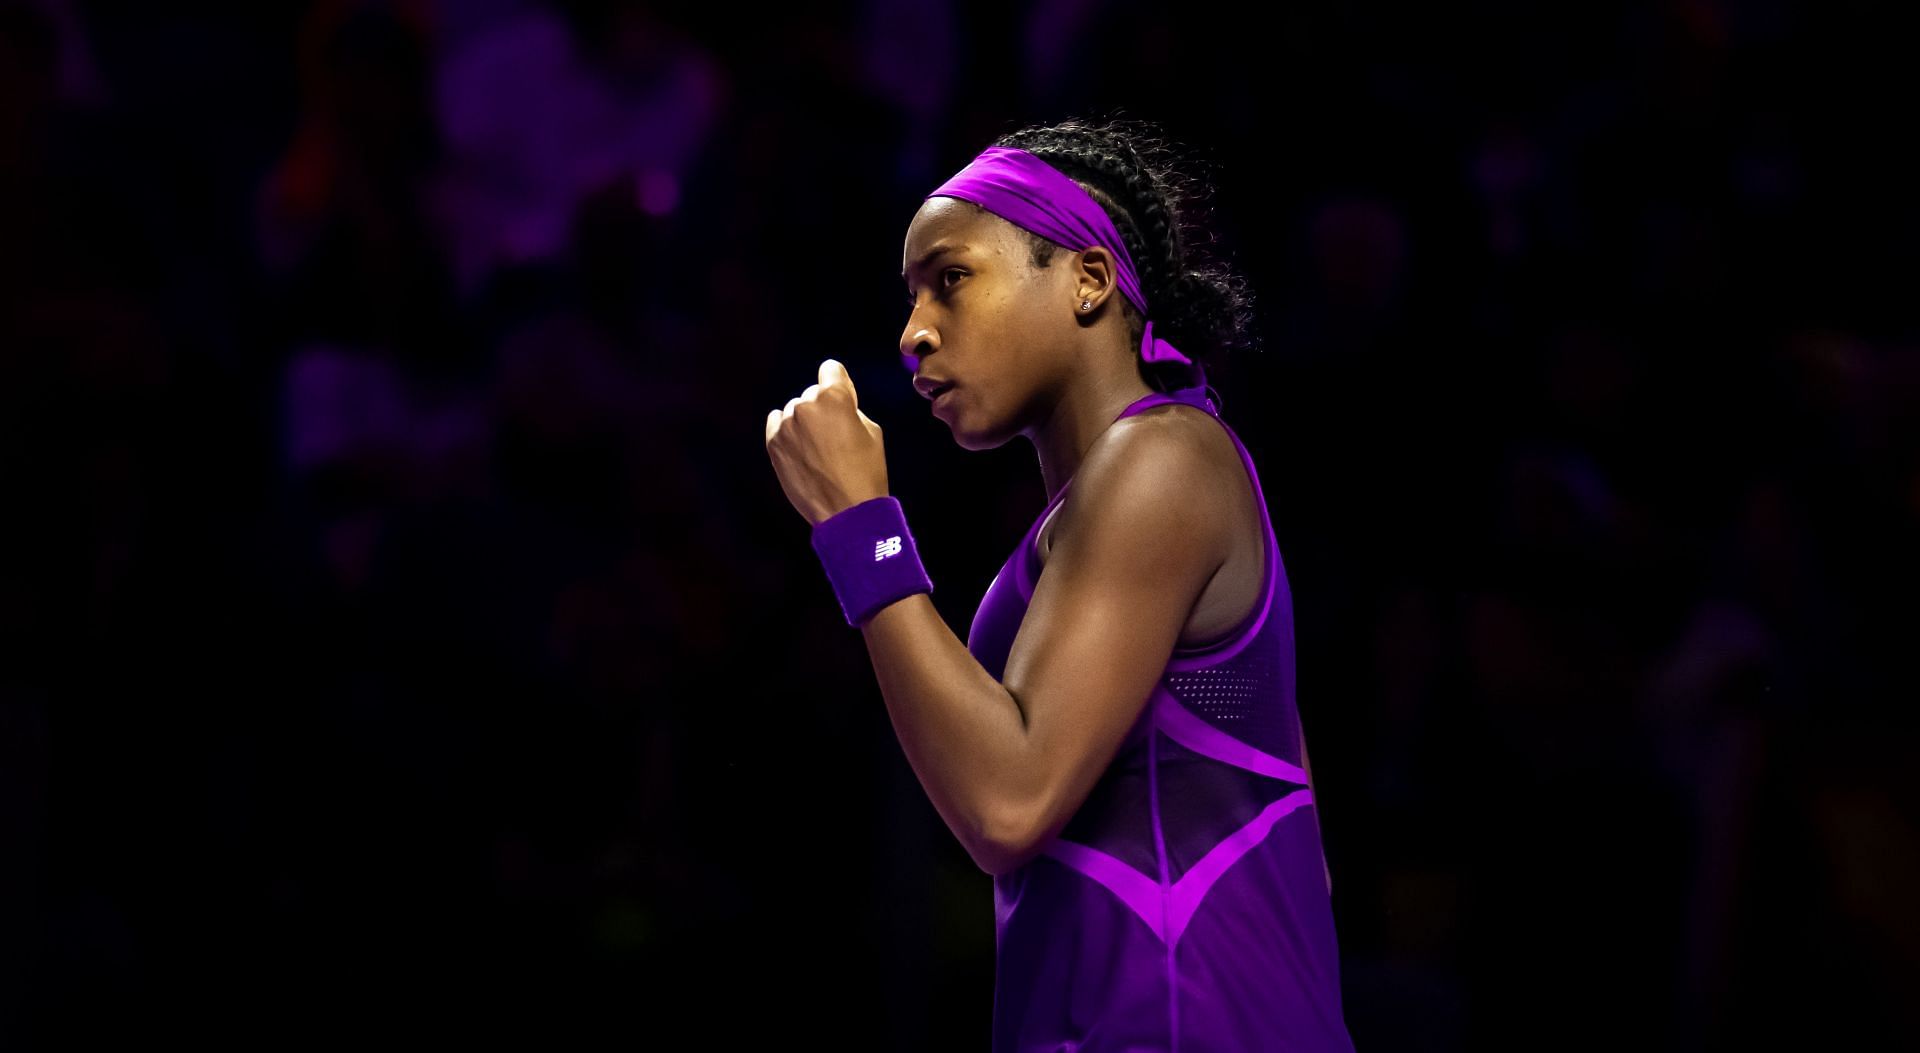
(973, 440)
(968, 434)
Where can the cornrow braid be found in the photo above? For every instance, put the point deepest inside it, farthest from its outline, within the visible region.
(1199, 304)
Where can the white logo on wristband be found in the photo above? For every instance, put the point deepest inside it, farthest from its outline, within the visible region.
(883, 549)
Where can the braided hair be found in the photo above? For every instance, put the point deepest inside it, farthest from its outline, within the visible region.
(1199, 304)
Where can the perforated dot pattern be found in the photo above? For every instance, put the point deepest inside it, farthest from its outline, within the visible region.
(1244, 696)
(1224, 694)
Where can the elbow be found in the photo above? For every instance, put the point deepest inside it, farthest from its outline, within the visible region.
(995, 860)
(1006, 844)
(991, 861)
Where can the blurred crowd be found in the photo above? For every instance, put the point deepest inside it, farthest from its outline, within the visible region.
(405, 625)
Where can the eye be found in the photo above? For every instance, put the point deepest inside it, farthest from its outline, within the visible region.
(912, 302)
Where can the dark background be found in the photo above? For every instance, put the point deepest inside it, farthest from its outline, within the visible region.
(407, 636)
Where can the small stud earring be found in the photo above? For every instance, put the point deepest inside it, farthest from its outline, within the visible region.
(1086, 305)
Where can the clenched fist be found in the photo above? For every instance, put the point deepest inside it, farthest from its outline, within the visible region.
(828, 455)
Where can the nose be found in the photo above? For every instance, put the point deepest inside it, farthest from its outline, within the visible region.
(916, 340)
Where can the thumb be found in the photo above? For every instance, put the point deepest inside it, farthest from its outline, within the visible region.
(832, 372)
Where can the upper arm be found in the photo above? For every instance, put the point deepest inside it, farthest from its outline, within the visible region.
(1130, 556)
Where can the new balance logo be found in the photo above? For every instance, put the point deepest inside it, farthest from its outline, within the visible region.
(883, 549)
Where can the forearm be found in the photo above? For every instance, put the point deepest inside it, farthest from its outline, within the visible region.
(962, 732)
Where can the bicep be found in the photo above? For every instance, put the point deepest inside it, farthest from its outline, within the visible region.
(1120, 581)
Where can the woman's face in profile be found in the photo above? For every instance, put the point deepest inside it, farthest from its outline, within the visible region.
(979, 319)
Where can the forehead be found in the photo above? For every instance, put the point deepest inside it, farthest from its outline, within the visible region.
(946, 220)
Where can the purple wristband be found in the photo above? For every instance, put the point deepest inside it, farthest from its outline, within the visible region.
(869, 557)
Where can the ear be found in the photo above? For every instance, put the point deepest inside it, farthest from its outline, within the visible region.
(1095, 277)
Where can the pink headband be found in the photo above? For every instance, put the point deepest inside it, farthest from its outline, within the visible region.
(1031, 194)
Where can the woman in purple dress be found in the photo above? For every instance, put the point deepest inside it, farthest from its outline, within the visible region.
(1117, 741)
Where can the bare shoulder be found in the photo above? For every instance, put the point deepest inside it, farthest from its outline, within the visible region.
(1171, 454)
(1194, 429)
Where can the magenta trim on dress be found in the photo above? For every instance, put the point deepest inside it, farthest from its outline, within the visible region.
(1194, 885)
(1181, 725)
(1167, 906)
(1145, 897)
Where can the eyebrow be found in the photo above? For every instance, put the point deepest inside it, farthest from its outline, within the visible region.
(930, 255)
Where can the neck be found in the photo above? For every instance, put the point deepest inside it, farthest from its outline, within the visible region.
(1081, 415)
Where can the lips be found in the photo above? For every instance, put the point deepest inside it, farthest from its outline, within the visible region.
(930, 388)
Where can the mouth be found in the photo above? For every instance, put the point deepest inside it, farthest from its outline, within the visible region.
(933, 393)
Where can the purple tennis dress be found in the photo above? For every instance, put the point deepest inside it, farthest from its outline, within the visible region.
(1184, 907)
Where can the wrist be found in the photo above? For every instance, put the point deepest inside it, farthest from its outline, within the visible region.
(869, 556)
